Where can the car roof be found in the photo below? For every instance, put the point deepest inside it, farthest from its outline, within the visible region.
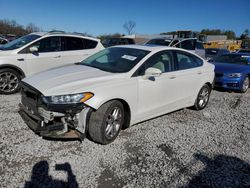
(62, 33)
(145, 47)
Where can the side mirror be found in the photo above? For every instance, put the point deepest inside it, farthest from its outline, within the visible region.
(152, 72)
(33, 49)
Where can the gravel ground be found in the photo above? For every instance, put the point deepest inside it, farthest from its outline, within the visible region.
(187, 148)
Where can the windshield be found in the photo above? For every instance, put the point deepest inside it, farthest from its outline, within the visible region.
(116, 60)
(18, 43)
(233, 59)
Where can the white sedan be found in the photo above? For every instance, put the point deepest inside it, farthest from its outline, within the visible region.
(113, 89)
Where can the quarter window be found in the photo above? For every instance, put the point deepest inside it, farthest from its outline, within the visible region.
(187, 61)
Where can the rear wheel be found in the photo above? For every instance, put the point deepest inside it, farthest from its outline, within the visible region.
(202, 98)
(245, 85)
(9, 81)
(106, 123)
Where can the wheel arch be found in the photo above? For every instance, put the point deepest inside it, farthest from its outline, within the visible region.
(13, 67)
(127, 110)
(210, 85)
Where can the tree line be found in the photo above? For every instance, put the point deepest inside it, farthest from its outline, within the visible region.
(12, 27)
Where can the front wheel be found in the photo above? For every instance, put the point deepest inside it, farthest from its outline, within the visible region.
(202, 98)
(9, 81)
(106, 123)
(245, 85)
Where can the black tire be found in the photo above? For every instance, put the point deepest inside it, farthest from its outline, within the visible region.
(202, 97)
(245, 85)
(9, 81)
(102, 122)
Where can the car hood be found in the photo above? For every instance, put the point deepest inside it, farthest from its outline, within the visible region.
(70, 79)
(5, 53)
(229, 68)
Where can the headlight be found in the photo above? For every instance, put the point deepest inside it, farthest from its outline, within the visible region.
(68, 99)
(234, 75)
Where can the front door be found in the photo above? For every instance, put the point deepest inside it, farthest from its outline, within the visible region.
(49, 55)
(156, 95)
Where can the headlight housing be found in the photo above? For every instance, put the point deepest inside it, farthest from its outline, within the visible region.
(68, 99)
(234, 75)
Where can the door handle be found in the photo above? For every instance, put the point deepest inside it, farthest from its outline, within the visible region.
(57, 56)
(20, 59)
(199, 72)
(172, 77)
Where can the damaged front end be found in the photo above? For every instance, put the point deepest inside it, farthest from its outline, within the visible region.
(53, 120)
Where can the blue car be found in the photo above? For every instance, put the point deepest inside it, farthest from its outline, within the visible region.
(232, 71)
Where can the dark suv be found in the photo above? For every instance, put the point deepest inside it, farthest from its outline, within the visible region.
(117, 41)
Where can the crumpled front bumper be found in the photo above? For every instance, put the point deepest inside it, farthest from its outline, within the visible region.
(43, 123)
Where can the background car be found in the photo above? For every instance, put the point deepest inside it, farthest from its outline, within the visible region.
(117, 41)
(113, 89)
(3, 41)
(232, 71)
(244, 51)
(41, 51)
(190, 44)
(211, 53)
(160, 41)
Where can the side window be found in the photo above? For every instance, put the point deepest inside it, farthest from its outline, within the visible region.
(73, 43)
(123, 41)
(174, 44)
(49, 44)
(188, 44)
(89, 44)
(162, 60)
(187, 61)
(199, 45)
(131, 41)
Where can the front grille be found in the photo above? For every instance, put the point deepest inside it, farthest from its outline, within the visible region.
(218, 74)
(29, 92)
(30, 98)
(218, 84)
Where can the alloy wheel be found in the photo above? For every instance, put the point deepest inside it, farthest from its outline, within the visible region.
(245, 85)
(8, 82)
(113, 122)
(203, 97)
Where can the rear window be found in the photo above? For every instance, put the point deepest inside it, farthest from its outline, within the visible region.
(73, 43)
(77, 43)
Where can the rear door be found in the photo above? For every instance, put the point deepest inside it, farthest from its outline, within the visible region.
(76, 49)
(188, 74)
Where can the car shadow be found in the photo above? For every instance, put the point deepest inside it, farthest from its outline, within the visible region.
(40, 177)
(221, 171)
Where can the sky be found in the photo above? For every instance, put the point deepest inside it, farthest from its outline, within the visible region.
(98, 17)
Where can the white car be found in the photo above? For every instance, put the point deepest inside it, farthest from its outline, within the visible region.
(113, 89)
(38, 52)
